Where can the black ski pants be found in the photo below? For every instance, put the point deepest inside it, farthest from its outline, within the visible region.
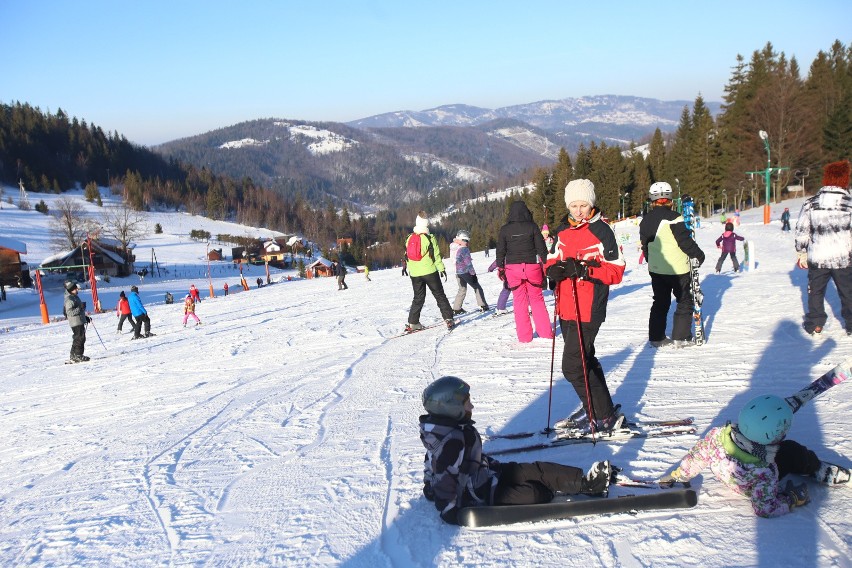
(127, 317)
(536, 482)
(793, 457)
(572, 368)
(817, 284)
(137, 329)
(664, 286)
(78, 341)
(433, 282)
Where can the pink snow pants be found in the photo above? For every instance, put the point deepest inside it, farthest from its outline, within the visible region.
(526, 281)
(186, 317)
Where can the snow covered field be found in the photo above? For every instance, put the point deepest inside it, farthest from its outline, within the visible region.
(284, 430)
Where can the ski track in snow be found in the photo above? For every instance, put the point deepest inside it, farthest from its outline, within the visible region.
(284, 431)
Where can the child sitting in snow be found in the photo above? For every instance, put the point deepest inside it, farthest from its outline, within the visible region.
(752, 456)
(457, 474)
(727, 243)
(189, 310)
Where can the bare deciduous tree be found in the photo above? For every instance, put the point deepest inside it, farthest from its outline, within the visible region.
(124, 224)
(69, 224)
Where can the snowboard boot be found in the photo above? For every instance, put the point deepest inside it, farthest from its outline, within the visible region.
(149, 334)
(831, 474)
(84, 358)
(664, 342)
(597, 479)
(681, 343)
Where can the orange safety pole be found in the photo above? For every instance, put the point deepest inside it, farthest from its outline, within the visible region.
(45, 317)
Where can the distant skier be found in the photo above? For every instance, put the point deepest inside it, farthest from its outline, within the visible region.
(225, 288)
(122, 312)
(189, 310)
(668, 248)
(457, 474)
(785, 219)
(752, 456)
(75, 311)
(727, 243)
(139, 313)
(340, 272)
(193, 291)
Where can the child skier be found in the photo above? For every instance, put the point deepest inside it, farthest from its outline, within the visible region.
(189, 310)
(457, 474)
(122, 312)
(727, 243)
(752, 456)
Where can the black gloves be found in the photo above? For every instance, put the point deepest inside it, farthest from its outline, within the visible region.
(501, 273)
(443, 274)
(568, 268)
(88, 319)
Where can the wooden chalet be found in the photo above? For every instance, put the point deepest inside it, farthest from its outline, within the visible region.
(319, 268)
(108, 258)
(13, 272)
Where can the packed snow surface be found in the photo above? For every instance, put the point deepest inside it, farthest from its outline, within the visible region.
(283, 431)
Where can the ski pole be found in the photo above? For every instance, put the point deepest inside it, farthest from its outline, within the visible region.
(91, 321)
(547, 428)
(583, 358)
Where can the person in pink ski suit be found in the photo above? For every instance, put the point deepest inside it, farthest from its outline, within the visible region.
(189, 310)
(521, 253)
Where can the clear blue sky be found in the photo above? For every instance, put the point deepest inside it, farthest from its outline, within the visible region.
(158, 70)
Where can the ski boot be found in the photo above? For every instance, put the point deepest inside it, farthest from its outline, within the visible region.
(597, 480)
(831, 474)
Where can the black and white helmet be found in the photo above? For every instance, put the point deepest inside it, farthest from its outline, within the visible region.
(463, 235)
(70, 286)
(446, 397)
(660, 190)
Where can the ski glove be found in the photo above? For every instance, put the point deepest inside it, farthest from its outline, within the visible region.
(501, 273)
(795, 495)
(443, 274)
(88, 319)
(802, 260)
(568, 268)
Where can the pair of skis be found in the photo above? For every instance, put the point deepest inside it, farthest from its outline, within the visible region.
(681, 498)
(695, 284)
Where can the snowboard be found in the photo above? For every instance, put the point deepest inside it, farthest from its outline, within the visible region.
(489, 516)
(749, 257)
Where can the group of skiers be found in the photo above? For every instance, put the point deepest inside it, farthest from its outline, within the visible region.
(584, 259)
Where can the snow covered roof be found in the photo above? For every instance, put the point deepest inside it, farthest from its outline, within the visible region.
(323, 261)
(13, 244)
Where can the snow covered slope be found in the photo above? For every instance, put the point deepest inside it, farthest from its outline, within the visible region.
(284, 430)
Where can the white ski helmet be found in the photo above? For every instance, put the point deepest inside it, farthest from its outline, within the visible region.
(766, 419)
(446, 397)
(660, 190)
(463, 235)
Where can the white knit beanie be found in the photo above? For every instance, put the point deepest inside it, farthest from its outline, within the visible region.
(579, 190)
(421, 225)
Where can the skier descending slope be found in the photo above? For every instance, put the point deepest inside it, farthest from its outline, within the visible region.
(457, 474)
(752, 456)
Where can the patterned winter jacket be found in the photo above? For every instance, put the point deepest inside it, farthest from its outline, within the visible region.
(455, 472)
(464, 262)
(188, 305)
(824, 228)
(666, 242)
(742, 472)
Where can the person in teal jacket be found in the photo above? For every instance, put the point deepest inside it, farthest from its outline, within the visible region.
(426, 273)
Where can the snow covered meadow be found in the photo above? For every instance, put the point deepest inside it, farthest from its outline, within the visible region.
(283, 431)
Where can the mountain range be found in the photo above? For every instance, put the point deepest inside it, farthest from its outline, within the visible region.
(398, 157)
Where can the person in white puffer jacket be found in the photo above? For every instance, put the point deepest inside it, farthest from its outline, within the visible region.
(824, 245)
